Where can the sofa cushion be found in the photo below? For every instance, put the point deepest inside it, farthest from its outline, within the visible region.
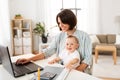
(117, 39)
(117, 46)
(102, 38)
(111, 38)
(94, 39)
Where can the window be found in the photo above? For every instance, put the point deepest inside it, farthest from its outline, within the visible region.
(85, 21)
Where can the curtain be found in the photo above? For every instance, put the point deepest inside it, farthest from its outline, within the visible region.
(4, 24)
(87, 17)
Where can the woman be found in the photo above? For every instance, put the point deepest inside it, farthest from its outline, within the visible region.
(67, 21)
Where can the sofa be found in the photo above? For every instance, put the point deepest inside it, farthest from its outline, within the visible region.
(105, 39)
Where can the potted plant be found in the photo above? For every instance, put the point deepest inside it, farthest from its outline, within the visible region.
(18, 16)
(40, 31)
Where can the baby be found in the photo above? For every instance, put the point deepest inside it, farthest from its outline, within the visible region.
(70, 56)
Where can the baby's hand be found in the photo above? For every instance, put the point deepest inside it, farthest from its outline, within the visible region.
(52, 61)
(69, 66)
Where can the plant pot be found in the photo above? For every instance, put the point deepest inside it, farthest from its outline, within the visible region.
(44, 39)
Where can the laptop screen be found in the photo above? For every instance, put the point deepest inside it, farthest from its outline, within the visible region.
(0, 60)
(0, 57)
(16, 70)
(6, 61)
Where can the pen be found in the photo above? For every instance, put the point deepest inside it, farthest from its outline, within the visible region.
(38, 74)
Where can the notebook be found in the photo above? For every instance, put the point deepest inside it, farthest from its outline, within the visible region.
(63, 75)
(49, 73)
(16, 70)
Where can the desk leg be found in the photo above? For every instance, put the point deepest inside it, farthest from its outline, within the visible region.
(114, 56)
(96, 55)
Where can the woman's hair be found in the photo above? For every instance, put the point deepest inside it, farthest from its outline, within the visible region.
(67, 17)
(76, 39)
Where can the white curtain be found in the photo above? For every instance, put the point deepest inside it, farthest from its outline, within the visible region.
(4, 24)
(87, 16)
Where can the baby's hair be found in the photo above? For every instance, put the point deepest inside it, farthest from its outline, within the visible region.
(76, 39)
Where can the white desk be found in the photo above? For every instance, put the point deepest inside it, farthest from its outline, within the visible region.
(74, 74)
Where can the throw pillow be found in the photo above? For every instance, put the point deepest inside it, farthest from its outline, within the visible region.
(111, 38)
(117, 39)
(94, 39)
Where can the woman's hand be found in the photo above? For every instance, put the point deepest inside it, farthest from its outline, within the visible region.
(82, 67)
(22, 61)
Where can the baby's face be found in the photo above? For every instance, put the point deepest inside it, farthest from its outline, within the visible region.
(71, 44)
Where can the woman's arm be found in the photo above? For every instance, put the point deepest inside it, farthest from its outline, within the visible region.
(34, 58)
(82, 67)
(39, 56)
(86, 52)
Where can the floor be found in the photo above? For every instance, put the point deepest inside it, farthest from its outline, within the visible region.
(109, 79)
(105, 68)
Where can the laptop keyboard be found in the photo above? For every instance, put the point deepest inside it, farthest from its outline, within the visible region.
(32, 67)
(25, 68)
(21, 69)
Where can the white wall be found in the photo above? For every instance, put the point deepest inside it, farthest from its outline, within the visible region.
(27, 8)
(109, 9)
(101, 14)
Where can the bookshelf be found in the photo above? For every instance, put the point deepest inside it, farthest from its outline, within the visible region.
(22, 41)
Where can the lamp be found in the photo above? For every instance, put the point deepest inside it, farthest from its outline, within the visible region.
(117, 19)
(117, 22)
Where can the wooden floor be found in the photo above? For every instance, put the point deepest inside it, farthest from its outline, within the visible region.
(108, 78)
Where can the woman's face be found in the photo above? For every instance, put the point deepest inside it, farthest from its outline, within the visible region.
(64, 27)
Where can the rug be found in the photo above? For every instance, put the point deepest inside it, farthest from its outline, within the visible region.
(105, 67)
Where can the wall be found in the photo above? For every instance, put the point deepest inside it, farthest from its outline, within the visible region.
(101, 14)
(109, 9)
(27, 8)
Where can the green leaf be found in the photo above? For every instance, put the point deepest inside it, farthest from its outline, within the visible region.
(39, 29)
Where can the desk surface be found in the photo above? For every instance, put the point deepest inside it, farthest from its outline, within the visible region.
(4, 75)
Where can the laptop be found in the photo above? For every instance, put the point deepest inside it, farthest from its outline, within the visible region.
(0, 58)
(16, 70)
